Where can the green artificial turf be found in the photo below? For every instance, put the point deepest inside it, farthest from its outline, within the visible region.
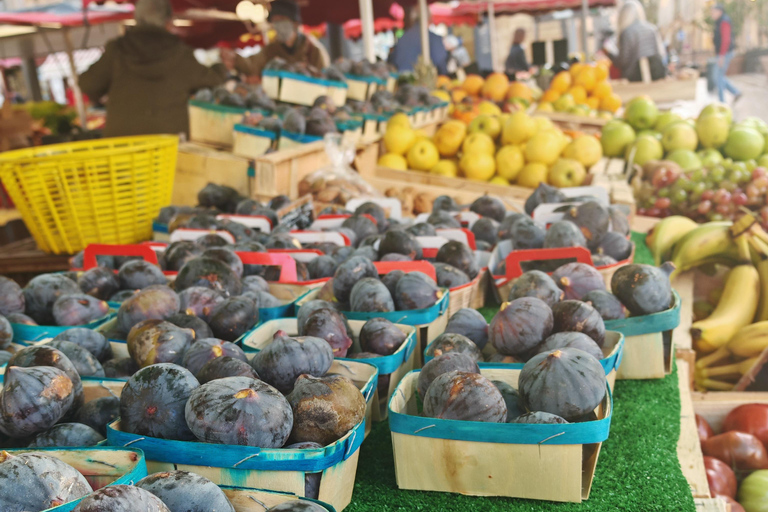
(642, 253)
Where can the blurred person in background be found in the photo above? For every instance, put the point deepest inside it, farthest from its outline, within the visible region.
(516, 60)
(638, 39)
(458, 56)
(148, 76)
(723, 39)
(290, 44)
(406, 51)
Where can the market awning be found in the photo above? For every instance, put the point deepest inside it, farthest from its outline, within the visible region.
(526, 6)
(66, 15)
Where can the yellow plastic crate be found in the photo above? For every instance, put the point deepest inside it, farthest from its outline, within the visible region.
(99, 191)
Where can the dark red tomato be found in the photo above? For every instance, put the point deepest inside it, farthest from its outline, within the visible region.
(749, 418)
(721, 478)
(735, 505)
(738, 450)
(705, 431)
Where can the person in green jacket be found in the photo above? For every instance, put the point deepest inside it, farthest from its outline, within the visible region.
(147, 76)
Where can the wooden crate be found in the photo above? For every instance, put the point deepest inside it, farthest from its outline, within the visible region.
(612, 175)
(649, 346)
(683, 284)
(301, 90)
(213, 124)
(714, 406)
(280, 172)
(258, 500)
(251, 142)
(483, 461)
(668, 90)
(395, 365)
(573, 122)
(688, 444)
(199, 165)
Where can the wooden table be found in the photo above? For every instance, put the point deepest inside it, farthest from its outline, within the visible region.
(22, 260)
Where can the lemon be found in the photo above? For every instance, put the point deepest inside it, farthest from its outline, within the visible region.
(509, 162)
(393, 161)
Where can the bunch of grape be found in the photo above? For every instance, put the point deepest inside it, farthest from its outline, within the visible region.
(707, 195)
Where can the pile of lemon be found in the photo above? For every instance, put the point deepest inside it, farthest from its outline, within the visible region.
(582, 90)
(502, 149)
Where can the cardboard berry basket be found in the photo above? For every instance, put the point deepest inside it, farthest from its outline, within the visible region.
(259, 500)
(613, 352)
(429, 322)
(101, 466)
(395, 365)
(301, 90)
(275, 469)
(542, 462)
(214, 124)
(252, 142)
(649, 347)
(514, 259)
(25, 335)
(361, 88)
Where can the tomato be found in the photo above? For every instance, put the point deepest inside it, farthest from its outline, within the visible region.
(753, 494)
(735, 505)
(721, 478)
(705, 431)
(739, 450)
(749, 418)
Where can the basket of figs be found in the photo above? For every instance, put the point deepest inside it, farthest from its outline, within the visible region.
(476, 431)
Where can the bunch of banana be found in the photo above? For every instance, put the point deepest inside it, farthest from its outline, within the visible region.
(707, 244)
(722, 369)
(665, 234)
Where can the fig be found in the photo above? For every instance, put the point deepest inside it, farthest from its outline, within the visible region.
(540, 418)
(577, 316)
(322, 267)
(329, 325)
(78, 309)
(578, 279)
(543, 194)
(99, 413)
(67, 435)
(297, 506)
(211, 240)
(564, 234)
(505, 226)
(233, 318)
(93, 341)
(208, 273)
(520, 326)
(525, 233)
(11, 297)
(179, 253)
(464, 396)
(225, 366)
(489, 206)
(448, 362)
(592, 219)
(197, 325)
(390, 280)
(342, 254)
(156, 341)
(606, 303)
(208, 349)
(449, 342)
(121, 498)
(535, 283)
(255, 284)
(349, 273)
(122, 296)
(416, 290)
(6, 333)
(84, 362)
(370, 295)
(226, 256)
(181, 491)
(615, 245)
(139, 274)
(380, 336)
(470, 323)
(449, 276)
(602, 260)
(643, 289)
(458, 255)
(487, 230)
(196, 299)
(577, 340)
(422, 229)
(362, 226)
(619, 220)
(442, 219)
(42, 292)
(375, 211)
(99, 282)
(511, 399)
(155, 302)
(281, 362)
(306, 309)
(445, 203)
(120, 368)
(400, 242)
(325, 409)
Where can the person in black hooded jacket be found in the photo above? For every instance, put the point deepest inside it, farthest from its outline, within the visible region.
(148, 76)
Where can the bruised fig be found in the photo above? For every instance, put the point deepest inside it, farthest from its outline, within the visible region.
(449, 276)
(208, 349)
(283, 360)
(564, 234)
(381, 336)
(520, 326)
(349, 273)
(33, 400)
(470, 323)
(592, 219)
(156, 341)
(370, 295)
(121, 498)
(578, 279)
(448, 362)
(489, 206)
(464, 396)
(78, 309)
(197, 325)
(536, 283)
(416, 290)
(325, 409)
(458, 255)
(606, 303)
(449, 342)
(329, 325)
(400, 242)
(577, 316)
(99, 282)
(572, 340)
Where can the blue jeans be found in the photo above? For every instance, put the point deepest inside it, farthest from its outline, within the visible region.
(723, 83)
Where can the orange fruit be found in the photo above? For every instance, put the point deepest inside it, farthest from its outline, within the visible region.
(579, 94)
(586, 78)
(443, 82)
(473, 84)
(519, 90)
(611, 103)
(601, 72)
(549, 96)
(593, 102)
(601, 90)
(458, 94)
(576, 68)
(495, 87)
(561, 82)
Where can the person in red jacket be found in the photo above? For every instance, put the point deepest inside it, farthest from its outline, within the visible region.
(723, 39)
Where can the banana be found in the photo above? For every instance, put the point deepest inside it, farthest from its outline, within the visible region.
(708, 243)
(714, 385)
(750, 340)
(666, 233)
(726, 370)
(762, 308)
(736, 309)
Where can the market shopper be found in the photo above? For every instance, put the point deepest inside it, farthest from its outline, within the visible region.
(290, 43)
(147, 76)
(723, 39)
(406, 51)
(516, 60)
(638, 39)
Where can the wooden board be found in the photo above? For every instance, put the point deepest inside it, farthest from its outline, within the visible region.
(683, 284)
(711, 505)
(22, 260)
(688, 445)
(660, 91)
(199, 165)
(714, 406)
(588, 125)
